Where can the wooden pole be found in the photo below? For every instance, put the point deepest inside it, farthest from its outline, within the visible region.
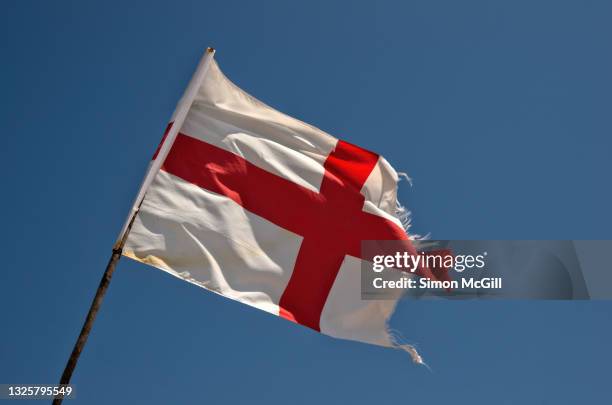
(93, 311)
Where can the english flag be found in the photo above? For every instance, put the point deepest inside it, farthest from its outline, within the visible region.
(267, 210)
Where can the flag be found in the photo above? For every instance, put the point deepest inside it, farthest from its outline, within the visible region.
(269, 211)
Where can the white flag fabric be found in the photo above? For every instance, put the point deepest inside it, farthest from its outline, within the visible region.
(270, 211)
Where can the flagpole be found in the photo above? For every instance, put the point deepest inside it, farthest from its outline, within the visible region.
(177, 122)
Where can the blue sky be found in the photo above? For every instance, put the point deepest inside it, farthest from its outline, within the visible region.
(500, 111)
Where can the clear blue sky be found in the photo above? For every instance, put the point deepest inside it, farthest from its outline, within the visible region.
(501, 112)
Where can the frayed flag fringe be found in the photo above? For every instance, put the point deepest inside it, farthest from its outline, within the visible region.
(398, 342)
(404, 214)
(405, 217)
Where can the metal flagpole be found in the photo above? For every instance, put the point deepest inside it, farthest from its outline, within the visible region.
(179, 117)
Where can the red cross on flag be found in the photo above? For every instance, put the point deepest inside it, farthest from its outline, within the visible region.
(267, 210)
